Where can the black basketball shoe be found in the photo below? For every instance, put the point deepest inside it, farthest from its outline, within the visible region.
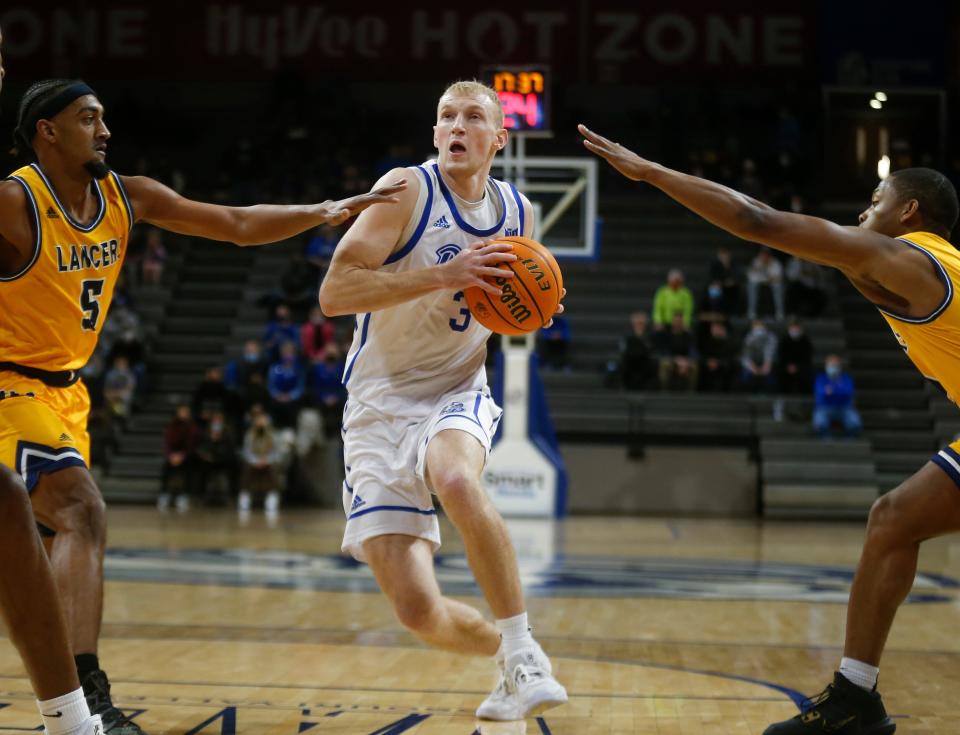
(842, 708)
(96, 689)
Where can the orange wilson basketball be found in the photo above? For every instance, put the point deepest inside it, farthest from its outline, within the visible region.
(528, 300)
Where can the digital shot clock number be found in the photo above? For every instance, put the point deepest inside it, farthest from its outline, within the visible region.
(524, 95)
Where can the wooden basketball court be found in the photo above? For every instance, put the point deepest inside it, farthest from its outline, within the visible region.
(658, 626)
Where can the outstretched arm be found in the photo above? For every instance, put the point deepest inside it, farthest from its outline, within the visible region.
(262, 223)
(862, 255)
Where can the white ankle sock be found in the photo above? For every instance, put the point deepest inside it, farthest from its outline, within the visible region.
(66, 714)
(514, 635)
(861, 674)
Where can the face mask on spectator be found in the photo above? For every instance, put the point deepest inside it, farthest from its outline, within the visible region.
(758, 331)
(251, 356)
(715, 292)
(795, 332)
(216, 426)
(833, 371)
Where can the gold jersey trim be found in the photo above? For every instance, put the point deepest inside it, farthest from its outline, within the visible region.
(63, 210)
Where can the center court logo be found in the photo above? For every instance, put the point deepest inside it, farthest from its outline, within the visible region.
(563, 576)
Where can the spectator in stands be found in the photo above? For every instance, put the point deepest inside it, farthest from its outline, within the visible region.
(795, 357)
(713, 307)
(179, 444)
(212, 396)
(285, 382)
(554, 343)
(749, 182)
(717, 359)
(765, 270)
(261, 459)
(757, 360)
(118, 386)
(216, 460)
(317, 336)
(236, 374)
(806, 287)
(154, 258)
(678, 356)
(319, 249)
(833, 400)
(327, 391)
(281, 329)
(298, 283)
(722, 270)
(671, 298)
(637, 362)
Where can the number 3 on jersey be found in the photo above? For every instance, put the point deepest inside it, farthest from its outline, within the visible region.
(458, 326)
(90, 292)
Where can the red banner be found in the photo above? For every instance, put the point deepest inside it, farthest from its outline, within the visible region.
(606, 40)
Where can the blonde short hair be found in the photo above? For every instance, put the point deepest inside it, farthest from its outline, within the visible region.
(473, 88)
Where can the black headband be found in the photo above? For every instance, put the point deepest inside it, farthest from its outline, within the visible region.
(51, 107)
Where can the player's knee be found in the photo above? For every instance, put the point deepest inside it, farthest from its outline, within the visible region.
(883, 526)
(83, 511)
(455, 487)
(417, 612)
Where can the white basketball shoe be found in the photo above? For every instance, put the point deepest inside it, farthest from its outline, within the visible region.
(526, 688)
(93, 726)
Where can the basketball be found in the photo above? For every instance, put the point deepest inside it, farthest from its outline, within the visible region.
(529, 299)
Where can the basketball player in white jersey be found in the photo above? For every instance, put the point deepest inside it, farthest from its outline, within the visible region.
(420, 419)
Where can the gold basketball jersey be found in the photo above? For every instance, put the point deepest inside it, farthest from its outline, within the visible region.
(933, 342)
(52, 311)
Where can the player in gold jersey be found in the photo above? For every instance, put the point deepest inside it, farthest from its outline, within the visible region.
(900, 259)
(64, 226)
(31, 607)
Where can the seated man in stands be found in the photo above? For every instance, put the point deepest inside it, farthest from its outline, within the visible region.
(712, 308)
(212, 396)
(765, 270)
(236, 374)
(757, 361)
(179, 443)
(119, 384)
(281, 329)
(286, 381)
(806, 287)
(723, 271)
(671, 298)
(216, 460)
(833, 396)
(718, 357)
(317, 336)
(678, 356)
(636, 364)
(795, 355)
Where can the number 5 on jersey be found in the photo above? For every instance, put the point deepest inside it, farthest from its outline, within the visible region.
(90, 292)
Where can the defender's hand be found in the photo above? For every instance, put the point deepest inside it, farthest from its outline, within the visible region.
(475, 263)
(340, 211)
(623, 159)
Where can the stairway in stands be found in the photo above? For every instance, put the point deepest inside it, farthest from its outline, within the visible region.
(896, 402)
(191, 330)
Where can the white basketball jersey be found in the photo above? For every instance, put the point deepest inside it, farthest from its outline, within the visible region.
(405, 357)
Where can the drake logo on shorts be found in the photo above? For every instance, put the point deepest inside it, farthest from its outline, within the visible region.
(446, 253)
(455, 407)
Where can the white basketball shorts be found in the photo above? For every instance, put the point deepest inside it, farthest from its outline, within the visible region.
(385, 490)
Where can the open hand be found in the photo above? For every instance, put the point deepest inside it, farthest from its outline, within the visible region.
(477, 262)
(340, 211)
(623, 159)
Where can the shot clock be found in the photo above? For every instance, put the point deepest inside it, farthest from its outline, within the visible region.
(524, 95)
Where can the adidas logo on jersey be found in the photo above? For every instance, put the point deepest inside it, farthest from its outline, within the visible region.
(358, 502)
(442, 223)
(52, 213)
(65, 438)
